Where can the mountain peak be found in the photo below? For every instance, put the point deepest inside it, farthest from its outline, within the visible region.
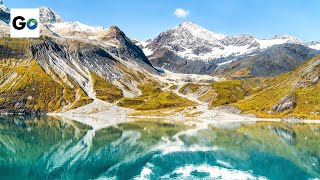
(188, 24)
(289, 38)
(283, 36)
(47, 15)
(198, 31)
(115, 29)
(114, 32)
(114, 35)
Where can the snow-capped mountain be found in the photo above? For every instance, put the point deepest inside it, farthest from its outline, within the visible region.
(193, 42)
(47, 15)
(188, 45)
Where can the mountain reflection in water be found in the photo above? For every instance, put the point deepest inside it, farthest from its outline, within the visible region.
(54, 148)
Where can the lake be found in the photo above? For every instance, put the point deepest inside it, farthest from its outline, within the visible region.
(59, 148)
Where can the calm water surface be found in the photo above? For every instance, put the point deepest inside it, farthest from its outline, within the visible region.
(52, 148)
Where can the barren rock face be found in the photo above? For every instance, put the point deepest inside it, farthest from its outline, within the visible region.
(286, 103)
(311, 76)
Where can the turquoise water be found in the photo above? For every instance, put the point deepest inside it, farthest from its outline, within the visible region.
(50, 148)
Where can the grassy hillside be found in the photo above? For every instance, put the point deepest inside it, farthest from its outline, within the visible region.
(105, 90)
(293, 94)
(25, 87)
(153, 97)
(229, 92)
(302, 84)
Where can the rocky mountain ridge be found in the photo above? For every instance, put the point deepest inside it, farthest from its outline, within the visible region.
(194, 42)
(189, 48)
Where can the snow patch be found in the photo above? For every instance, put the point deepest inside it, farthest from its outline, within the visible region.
(224, 63)
(266, 43)
(214, 172)
(74, 26)
(316, 46)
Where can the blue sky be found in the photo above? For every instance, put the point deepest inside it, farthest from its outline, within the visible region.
(143, 19)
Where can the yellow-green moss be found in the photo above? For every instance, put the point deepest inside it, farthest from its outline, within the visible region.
(15, 43)
(173, 87)
(33, 89)
(189, 86)
(154, 98)
(105, 90)
(229, 92)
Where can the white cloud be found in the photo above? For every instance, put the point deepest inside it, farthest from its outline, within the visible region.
(181, 13)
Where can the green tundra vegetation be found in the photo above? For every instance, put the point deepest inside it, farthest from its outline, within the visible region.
(153, 97)
(25, 86)
(105, 90)
(229, 92)
(189, 87)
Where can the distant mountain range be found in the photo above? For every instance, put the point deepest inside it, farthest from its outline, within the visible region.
(189, 48)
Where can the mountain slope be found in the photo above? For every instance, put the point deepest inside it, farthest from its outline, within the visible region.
(47, 75)
(26, 88)
(273, 61)
(126, 48)
(292, 94)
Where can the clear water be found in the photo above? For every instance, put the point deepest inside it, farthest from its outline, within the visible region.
(50, 148)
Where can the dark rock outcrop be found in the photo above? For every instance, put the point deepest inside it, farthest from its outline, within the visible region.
(286, 103)
(164, 58)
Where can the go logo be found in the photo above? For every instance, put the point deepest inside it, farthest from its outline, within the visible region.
(25, 23)
(32, 24)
